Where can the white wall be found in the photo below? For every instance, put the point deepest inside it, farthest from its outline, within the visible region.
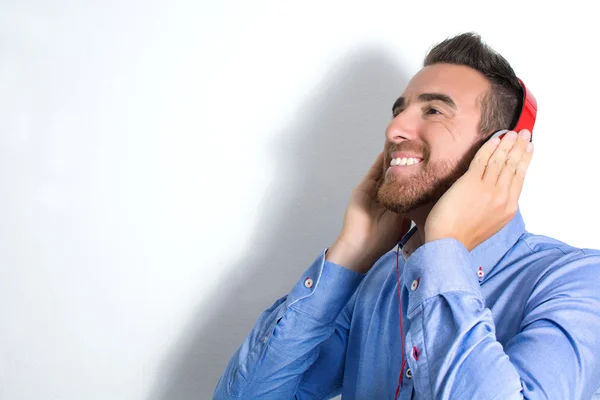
(168, 169)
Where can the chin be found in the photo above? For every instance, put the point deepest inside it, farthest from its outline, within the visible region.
(401, 201)
(404, 198)
(406, 194)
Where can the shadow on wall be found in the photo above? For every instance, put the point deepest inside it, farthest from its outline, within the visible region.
(319, 160)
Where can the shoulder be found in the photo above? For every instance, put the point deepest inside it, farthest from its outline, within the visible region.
(558, 268)
(541, 243)
(555, 253)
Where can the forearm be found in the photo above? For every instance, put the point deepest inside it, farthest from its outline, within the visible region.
(351, 256)
(285, 340)
(451, 344)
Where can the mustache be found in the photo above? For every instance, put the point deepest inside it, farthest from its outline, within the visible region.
(412, 147)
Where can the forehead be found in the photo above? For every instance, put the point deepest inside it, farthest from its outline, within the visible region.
(465, 85)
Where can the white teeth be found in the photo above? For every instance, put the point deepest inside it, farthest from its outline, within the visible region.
(404, 161)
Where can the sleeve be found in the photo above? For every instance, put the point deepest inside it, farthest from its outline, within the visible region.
(451, 342)
(297, 347)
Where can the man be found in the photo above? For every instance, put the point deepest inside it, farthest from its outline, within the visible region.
(475, 307)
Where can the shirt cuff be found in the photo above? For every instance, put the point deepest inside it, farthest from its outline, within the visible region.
(437, 267)
(324, 289)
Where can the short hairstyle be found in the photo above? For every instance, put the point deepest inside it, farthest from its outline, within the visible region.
(500, 107)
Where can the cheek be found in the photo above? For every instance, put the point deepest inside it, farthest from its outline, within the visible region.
(443, 153)
(446, 141)
(439, 146)
(440, 130)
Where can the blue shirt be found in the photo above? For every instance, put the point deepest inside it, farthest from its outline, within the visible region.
(517, 317)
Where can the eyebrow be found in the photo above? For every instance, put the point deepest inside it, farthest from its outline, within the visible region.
(425, 97)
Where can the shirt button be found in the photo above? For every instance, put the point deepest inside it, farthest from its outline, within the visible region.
(480, 273)
(415, 284)
(415, 353)
(308, 283)
(409, 373)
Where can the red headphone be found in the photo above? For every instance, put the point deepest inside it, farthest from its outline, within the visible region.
(528, 114)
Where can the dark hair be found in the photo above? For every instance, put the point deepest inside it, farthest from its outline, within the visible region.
(500, 107)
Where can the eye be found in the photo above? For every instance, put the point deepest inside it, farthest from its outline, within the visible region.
(396, 112)
(432, 111)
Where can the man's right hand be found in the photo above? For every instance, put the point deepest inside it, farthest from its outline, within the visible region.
(369, 229)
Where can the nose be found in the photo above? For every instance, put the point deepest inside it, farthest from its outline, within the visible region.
(402, 127)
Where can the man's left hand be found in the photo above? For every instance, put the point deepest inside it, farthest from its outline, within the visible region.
(485, 198)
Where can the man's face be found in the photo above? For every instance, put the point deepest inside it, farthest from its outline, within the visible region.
(435, 121)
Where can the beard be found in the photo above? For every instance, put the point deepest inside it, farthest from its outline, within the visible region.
(405, 193)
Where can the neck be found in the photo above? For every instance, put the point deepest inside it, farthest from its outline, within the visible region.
(419, 217)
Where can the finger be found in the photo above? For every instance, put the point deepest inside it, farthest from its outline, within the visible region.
(376, 168)
(498, 158)
(512, 162)
(516, 185)
(477, 166)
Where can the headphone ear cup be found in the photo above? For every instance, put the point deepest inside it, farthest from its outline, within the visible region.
(528, 112)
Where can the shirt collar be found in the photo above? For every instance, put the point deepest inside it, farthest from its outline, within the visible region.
(489, 252)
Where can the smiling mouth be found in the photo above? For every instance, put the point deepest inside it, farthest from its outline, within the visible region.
(405, 162)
